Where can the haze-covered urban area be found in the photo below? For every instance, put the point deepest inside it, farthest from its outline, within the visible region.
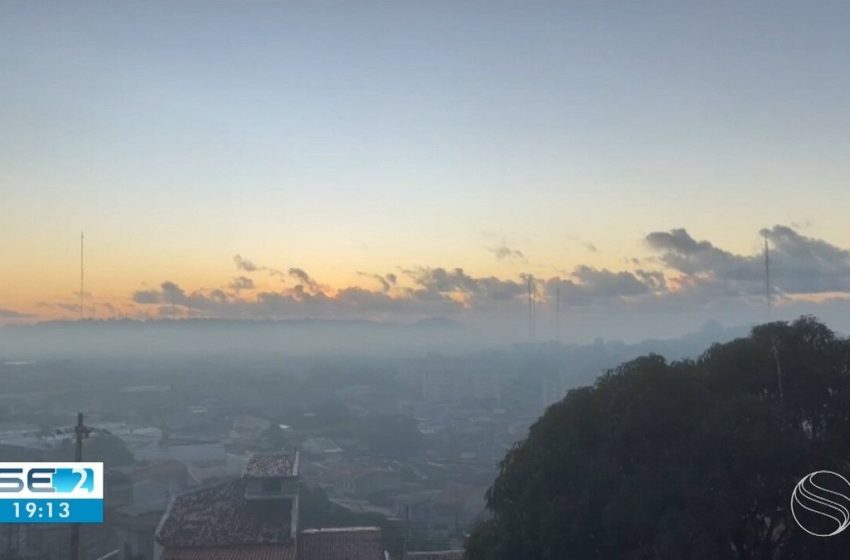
(424, 280)
(407, 440)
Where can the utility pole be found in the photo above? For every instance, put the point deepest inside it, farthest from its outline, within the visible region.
(80, 433)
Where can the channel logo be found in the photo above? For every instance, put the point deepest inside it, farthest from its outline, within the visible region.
(820, 503)
(51, 492)
(70, 480)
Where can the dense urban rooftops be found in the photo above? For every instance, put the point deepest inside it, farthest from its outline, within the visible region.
(271, 466)
(221, 516)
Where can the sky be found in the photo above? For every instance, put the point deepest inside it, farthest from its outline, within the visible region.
(405, 160)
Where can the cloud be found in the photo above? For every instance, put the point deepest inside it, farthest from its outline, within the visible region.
(9, 314)
(169, 293)
(587, 245)
(799, 264)
(805, 265)
(682, 274)
(174, 294)
(241, 283)
(681, 252)
(504, 253)
(146, 297)
(588, 285)
(304, 279)
(441, 282)
(386, 281)
(245, 264)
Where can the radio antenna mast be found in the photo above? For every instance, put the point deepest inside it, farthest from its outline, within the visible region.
(558, 312)
(82, 276)
(532, 289)
(768, 295)
(768, 292)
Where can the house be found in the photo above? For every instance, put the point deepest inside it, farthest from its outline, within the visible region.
(152, 482)
(321, 446)
(456, 554)
(256, 518)
(343, 543)
(248, 429)
(134, 527)
(372, 481)
(444, 511)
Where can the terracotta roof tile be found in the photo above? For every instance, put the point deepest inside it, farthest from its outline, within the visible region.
(221, 516)
(437, 555)
(344, 543)
(248, 552)
(271, 466)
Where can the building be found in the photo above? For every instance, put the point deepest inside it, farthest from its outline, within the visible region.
(148, 483)
(456, 554)
(256, 518)
(134, 526)
(321, 447)
(343, 543)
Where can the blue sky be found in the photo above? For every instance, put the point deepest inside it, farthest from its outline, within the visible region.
(343, 138)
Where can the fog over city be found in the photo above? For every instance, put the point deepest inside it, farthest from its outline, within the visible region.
(424, 280)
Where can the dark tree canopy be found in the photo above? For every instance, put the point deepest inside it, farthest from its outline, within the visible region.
(103, 446)
(685, 460)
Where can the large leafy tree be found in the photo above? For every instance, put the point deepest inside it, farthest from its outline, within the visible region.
(684, 460)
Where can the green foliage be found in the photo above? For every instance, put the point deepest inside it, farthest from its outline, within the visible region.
(105, 447)
(689, 460)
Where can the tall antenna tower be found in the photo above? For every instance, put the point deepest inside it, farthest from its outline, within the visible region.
(82, 276)
(532, 304)
(533, 307)
(768, 296)
(768, 291)
(558, 312)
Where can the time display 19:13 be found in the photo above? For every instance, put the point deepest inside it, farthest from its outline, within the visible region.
(51, 511)
(34, 509)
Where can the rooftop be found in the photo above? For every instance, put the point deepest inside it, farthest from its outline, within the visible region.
(343, 543)
(220, 516)
(271, 466)
(437, 555)
(249, 552)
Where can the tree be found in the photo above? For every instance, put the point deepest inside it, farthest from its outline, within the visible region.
(685, 460)
(102, 446)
